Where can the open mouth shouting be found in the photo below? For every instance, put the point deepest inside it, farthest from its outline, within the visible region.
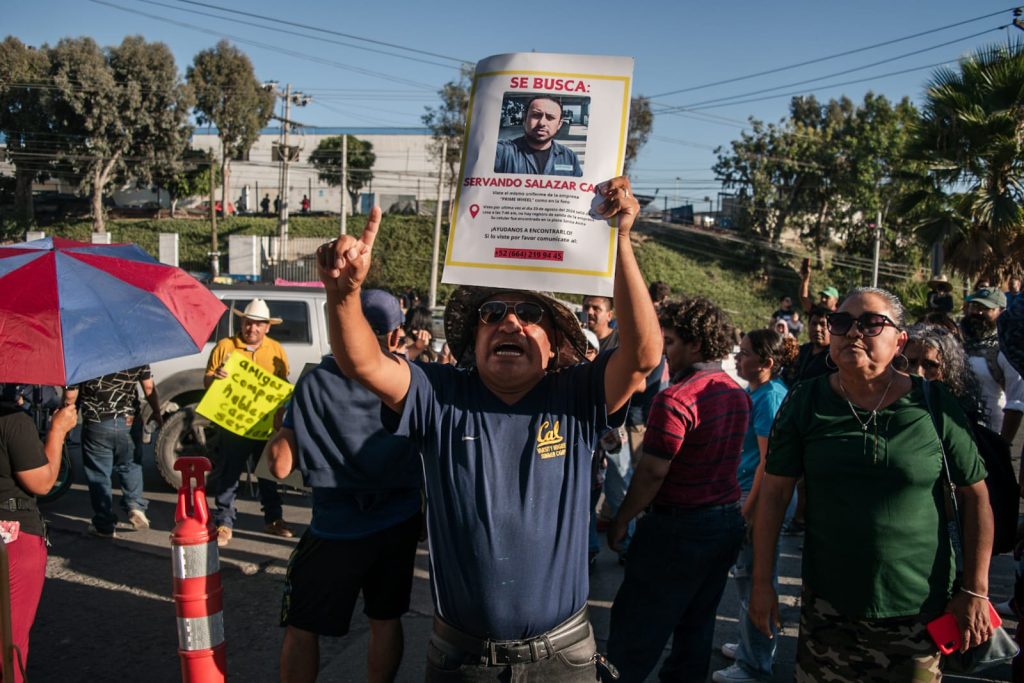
(508, 349)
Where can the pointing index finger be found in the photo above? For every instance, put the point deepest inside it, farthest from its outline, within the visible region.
(372, 225)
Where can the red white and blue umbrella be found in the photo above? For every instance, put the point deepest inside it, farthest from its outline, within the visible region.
(72, 311)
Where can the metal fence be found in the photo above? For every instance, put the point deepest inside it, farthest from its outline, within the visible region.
(299, 270)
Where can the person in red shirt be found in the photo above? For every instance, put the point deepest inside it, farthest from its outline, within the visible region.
(680, 556)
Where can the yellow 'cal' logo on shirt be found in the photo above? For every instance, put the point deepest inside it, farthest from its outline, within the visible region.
(550, 443)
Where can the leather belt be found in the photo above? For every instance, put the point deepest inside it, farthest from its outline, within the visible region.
(505, 652)
(15, 504)
(675, 511)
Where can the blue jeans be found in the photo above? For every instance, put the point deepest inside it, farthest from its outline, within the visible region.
(232, 453)
(756, 651)
(107, 447)
(675, 576)
(616, 483)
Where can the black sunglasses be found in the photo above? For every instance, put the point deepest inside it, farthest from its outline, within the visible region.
(868, 324)
(528, 312)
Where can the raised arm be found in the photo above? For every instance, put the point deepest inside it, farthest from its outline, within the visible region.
(343, 265)
(806, 302)
(639, 334)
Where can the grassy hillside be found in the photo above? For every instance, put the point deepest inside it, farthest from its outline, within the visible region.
(742, 279)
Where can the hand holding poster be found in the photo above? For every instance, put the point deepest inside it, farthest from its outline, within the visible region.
(246, 401)
(542, 132)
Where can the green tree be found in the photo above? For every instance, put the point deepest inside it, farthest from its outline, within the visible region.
(25, 120)
(826, 171)
(188, 176)
(448, 120)
(121, 114)
(641, 123)
(765, 168)
(229, 96)
(85, 107)
(327, 160)
(970, 137)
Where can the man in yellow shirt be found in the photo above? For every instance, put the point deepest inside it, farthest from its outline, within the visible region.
(252, 341)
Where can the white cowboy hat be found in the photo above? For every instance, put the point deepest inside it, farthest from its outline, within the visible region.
(259, 311)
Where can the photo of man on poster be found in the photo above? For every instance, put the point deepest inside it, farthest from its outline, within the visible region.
(535, 151)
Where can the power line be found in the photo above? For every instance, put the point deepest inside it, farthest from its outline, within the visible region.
(268, 46)
(825, 86)
(832, 56)
(278, 29)
(234, 10)
(831, 75)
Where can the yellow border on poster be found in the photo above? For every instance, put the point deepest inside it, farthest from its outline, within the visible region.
(623, 132)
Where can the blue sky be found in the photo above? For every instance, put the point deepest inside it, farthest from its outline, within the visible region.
(677, 45)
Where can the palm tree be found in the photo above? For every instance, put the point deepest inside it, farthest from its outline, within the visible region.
(971, 136)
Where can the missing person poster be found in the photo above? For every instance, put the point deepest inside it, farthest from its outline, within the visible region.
(543, 131)
(245, 402)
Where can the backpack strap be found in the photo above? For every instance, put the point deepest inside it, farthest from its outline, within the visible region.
(952, 508)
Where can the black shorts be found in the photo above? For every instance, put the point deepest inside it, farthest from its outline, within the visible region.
(325, 577)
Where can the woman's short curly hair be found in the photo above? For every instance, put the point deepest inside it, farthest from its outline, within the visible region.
(698, 320)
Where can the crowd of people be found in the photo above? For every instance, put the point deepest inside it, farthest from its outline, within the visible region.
(532, 430)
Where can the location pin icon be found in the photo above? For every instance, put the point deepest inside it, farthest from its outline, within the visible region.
(474, 209)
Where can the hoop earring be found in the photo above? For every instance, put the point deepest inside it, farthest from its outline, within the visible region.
(900, 363)
(829, 363)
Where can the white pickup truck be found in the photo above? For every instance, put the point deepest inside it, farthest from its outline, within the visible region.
(179, 381)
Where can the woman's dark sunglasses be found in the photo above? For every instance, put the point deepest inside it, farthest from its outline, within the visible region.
(868, 324)
(528, 312)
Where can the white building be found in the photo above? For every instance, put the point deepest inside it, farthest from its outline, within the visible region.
(405, 171)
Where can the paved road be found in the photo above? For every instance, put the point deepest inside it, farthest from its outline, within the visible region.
(106, 612)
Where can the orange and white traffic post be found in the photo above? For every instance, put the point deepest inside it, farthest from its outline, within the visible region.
(198, 597)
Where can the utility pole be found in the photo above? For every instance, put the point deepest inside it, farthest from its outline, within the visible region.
(299, 100)
(214, 253)
(286, 152)
(878, 242)
(437, 226)
(344, 184)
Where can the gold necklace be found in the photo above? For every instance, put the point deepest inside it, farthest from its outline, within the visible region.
(872, 418)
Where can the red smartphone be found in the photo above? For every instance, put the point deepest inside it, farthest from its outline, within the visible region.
(946, 634)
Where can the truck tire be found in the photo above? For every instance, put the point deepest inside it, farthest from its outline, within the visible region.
(184, 433)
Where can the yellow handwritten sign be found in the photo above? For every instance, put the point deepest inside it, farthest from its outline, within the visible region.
(245, 402)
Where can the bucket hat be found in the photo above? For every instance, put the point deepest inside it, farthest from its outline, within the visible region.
(258, 310)
(941, 282)
(461, 318)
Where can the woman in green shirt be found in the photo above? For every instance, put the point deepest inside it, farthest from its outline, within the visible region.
(877, 562)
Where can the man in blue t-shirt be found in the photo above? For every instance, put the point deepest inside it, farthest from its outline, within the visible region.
(506, 440)
(366, 511)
